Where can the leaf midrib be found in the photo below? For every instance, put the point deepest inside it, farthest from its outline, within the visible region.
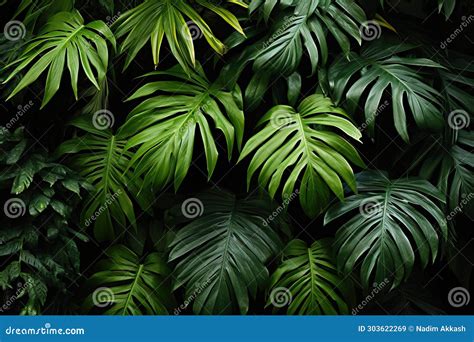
(226, 246)
(132, 288)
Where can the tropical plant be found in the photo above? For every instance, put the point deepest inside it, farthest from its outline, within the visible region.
(129, 284)
(302, 140)
(37, 240)
(221, 255)
(107, 168)
(312, 280)
(299, 28)
(154, 20)
(449, 166)
(163, 127)
(34, 11)
(65, 39)
(380, 68)
(393, 222)
(119, 166)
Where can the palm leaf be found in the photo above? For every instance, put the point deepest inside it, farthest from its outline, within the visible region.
(299, 28)
(102, 160)
(153, 20)
(309, 274)
(449, 166)
(221, 255)
(65, 39)
(301, 141)
(41, 10)
(129, 285)
(390, 226)
(380, 69)
(163, 127)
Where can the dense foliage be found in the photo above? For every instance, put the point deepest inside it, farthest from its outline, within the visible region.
(236, 157)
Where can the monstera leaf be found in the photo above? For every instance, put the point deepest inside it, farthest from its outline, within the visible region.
(392, 222)
(65, 40)
(163, 127)
(129, 285)
(380, 69)
(302, 141)
(308, 281)
(176, 20)
(221, 254)
(100, 157)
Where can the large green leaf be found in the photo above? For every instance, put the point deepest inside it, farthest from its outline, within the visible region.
(41, 10)
(380, 70)
(298, 28)
(221, 255)
(310, 278)
(65, 40)
(302, 140)
(129, 285)
(153, 20)
(100, 157)
(163, 127)
(449, 166)
(392, 221)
